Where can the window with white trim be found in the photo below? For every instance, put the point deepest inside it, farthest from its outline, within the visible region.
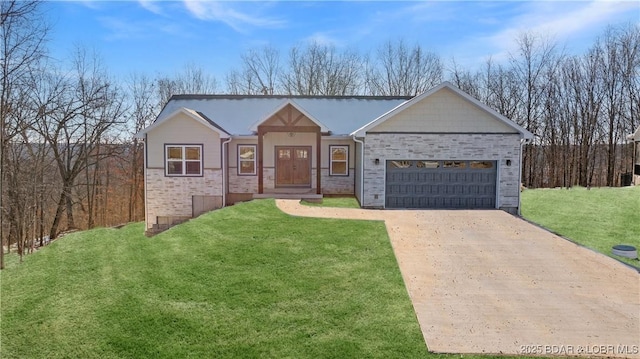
(338, 160)
(183, 160)
(246, 160)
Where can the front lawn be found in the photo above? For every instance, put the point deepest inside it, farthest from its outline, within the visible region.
(598, 218)
(246, 281)
(340, 202)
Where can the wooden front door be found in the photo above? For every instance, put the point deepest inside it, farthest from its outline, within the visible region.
(293, 166)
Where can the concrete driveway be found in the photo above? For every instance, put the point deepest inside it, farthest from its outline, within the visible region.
(489, 282)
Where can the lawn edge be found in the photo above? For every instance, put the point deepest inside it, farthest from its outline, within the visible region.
(636, 268)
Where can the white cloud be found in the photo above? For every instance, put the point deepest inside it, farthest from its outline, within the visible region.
(561, 20)
(226, 13)
(566, 22)
(323, 39)
(151, 5)
(123, 29)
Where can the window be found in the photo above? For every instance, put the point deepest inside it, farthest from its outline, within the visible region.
(183, 160)
(400, 164)
(339, 160)
(481, 164)
(246, 159)
(284, 154)
(454, 164)
(427, 164)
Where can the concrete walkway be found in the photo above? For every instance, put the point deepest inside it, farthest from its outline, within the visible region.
(489, 282)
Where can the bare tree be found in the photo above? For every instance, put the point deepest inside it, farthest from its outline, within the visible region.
(620, 68)
(144, 109)
(191, 80)
(259, 73)
(536, 54)
(80, 111)
(23, 33)
(321, 70)
(403, 71)
(630, 71)
(465, 80)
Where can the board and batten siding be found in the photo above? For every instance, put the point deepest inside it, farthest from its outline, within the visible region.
(183, 130)
(441, 112)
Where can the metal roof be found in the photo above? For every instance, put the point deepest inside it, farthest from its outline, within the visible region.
(236, 114)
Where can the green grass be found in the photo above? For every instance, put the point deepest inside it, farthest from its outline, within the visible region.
(598, 218)
(341, 202)
(246, 281)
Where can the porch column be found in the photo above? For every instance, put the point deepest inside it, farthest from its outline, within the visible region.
(318, 163)
(260, 152)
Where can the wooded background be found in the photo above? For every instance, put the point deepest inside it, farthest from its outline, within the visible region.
(69, 160)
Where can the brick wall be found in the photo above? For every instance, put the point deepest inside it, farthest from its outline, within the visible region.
(406, 146)
(172, 196)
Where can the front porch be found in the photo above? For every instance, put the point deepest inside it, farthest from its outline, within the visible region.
(294, 158)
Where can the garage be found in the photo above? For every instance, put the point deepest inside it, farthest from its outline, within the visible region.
(440, 184)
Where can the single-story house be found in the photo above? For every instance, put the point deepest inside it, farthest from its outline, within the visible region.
(635, 138)
(440, 149)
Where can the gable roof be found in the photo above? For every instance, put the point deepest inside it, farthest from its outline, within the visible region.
(240, 115)
(195, 115)
(360, 132)
(284, 104)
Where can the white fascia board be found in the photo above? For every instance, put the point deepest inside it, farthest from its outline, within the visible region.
(191, 114)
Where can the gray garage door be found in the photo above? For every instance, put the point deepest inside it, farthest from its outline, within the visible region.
(441, 184)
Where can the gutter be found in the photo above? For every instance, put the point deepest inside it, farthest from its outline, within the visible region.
(224, 172)
(361, 168)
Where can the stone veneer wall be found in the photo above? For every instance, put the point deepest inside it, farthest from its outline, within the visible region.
(338, 184)
(407, 146)
(242, 184)
(330, 184)
(172, 196)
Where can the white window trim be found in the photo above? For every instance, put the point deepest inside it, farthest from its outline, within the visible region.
(255, 160)
(331, 160)
(184, 161)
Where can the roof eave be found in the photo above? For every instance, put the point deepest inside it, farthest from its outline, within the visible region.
(190, 113)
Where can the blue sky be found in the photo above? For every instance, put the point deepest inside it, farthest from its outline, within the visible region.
(162, 36)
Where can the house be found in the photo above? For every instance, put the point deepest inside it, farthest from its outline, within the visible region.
(635, 138)
(440, 149)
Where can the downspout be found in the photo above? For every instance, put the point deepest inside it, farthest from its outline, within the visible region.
(361, 168)
(224, 173)
(144, 168)
(523, 141)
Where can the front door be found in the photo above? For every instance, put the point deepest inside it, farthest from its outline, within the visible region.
(293, 166)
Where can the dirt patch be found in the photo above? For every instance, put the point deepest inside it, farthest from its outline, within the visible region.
(489, 282)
